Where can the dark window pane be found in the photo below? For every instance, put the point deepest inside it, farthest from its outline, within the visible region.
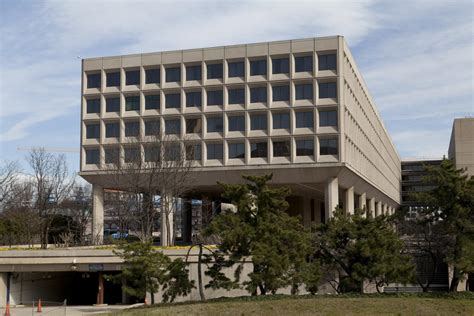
(258, 122)
(281, 93)
(328, 146)
(258, 94)
(193, 125)
(214, 71)
(152, 76)
(132, 154)
(93, 131)
(193, 98)
(93, 81)
(258, 150)
(237, 96)
(327, 62)
(92, 156)
(132, 129)
(112, 104)
(112, 155)
(305, 147)
(281, 121)
(193, 152)
(281, 149)
(304, 91)
(172, 152)
(132, 103)
(280, 66)
(172, 127)
(328, 118)
(214, 151)
(304, 119)
(193, 72)
(112, 129)
(173, 100)
(327, 90)
(113, 79)
(152, 102)
(152, 153)
(236, 123)
(93, 106)
(214, 97)
(152, 128)
(132, 77)
(173, 74)
(236, 69)
(304, 64)
(236, 150)
(258, 67)
(215, 124)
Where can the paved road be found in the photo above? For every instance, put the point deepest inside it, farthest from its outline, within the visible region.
(63, 311)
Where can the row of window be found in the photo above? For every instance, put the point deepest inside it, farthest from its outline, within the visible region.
(215, 97)
(215, 151)
(214, 71)
(215, 124)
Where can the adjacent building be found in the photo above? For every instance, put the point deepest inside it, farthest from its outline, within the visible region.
(461, 145)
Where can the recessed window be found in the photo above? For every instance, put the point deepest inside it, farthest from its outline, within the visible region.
(113, 79)
(193, 72)
(173, 127)
(112, 129)
(92, 131)
(328, 146)
(215, 124)
(193, 125)
(281, 148)
(93, 106)
(92, 156)
(173, 100)
(193, 99)
(132, 77)
(327, 62)
(112, 155)
(152, 102)
(152, 128)
(172, 152)
(304, 119)
(214, 97)
(131, 154)
(236, 69)
(236, 123)
(304, 91)
(281, 121)
(152, 76)
(327, 90)
(214, 71)
(280, 65)
(258, 67)
(112, 104)
(132, 103)
(236, 96)
(173, 74)
(258, 122)
(304, 64)
(193, 152)
(258, 150)
(152, 153)
(258, 94)
(93, 81)
(214, 151)
(305, 147)
(132, 129)
(236, 150)
(281, 93)
(327, 118)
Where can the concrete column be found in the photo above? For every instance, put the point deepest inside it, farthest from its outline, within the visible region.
(97, 214)
(187, 219)
(371, 210)
(378, 209)
(331, 196)
(384, 209)
(168, 208)
(362, 202)
(349, 201)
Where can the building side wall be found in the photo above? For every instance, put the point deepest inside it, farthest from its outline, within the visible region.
(462, 144)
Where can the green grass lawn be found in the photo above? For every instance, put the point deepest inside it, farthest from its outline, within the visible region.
(321, 305)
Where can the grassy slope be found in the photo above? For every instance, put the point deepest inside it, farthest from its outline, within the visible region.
(363, 305)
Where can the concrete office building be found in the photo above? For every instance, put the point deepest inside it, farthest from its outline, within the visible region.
(299, 109)
(461, 145)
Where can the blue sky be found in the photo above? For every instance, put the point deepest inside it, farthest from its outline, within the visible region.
(416, 57)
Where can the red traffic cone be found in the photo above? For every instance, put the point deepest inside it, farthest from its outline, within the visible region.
(40, 308)
(7, 310)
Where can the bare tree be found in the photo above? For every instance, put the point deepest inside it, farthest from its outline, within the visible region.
(9, 172)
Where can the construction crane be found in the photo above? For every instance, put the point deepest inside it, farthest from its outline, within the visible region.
(50, 149)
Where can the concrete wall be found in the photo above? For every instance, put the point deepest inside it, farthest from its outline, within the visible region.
(461, 146)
